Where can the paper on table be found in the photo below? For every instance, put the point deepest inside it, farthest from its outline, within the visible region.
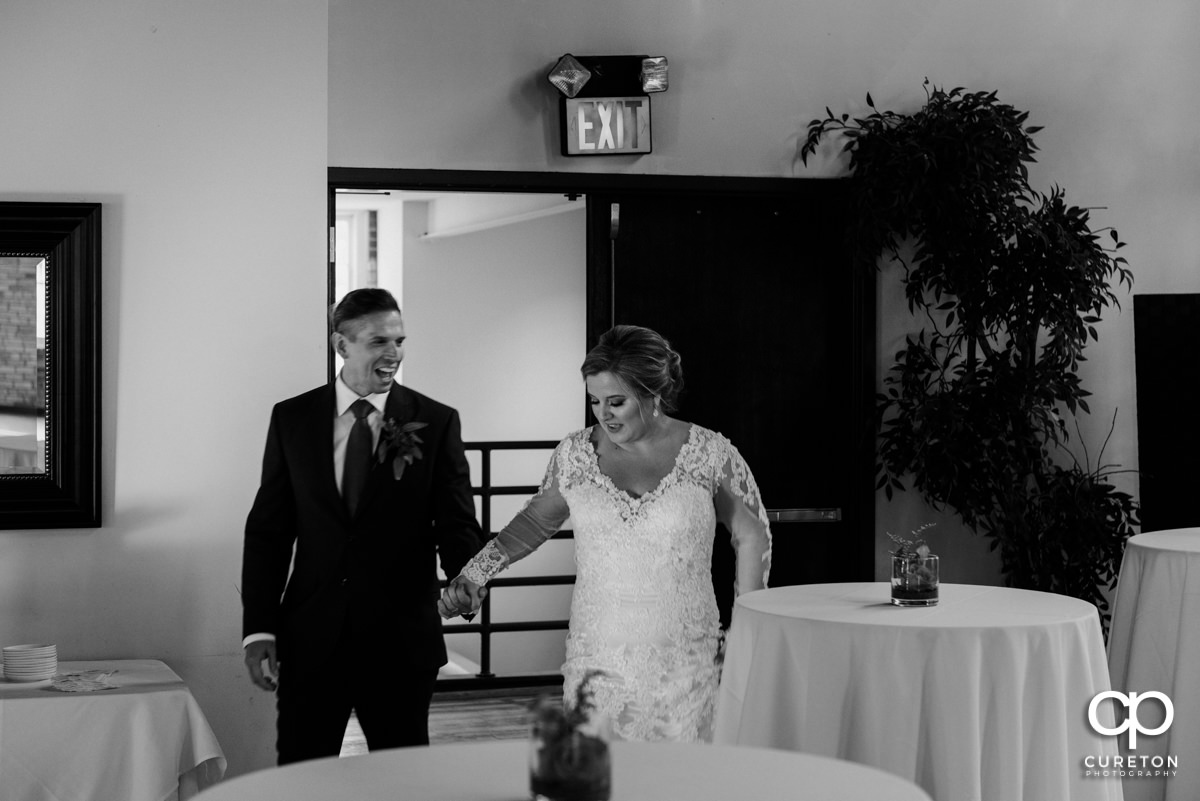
(85, 682)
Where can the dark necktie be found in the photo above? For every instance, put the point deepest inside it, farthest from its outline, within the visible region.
(358, 455)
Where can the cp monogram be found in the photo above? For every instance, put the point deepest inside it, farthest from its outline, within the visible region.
(1131, 722)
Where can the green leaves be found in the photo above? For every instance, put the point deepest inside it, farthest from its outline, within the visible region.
(1009, 285)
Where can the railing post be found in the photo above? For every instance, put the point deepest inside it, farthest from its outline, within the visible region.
(485, 616)
(485, 489)
(484, 626)
(485, 640)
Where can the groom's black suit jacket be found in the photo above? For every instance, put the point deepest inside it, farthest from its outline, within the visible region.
(372, 575)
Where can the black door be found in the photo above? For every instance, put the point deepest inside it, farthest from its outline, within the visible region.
(1164, 326)
(755, 291)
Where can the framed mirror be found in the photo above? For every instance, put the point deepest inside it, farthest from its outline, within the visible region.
(49, 365)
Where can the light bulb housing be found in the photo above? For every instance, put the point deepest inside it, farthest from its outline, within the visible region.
(569, 76)
(654, 74)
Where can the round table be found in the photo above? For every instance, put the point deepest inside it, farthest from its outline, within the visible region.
(498, 771)
(982, 697)
(1155, 646)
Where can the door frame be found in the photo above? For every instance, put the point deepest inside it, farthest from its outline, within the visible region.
(860, 329)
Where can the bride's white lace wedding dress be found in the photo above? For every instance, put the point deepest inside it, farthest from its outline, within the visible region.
(643, 610)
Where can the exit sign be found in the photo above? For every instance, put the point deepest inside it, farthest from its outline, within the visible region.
(605, 126)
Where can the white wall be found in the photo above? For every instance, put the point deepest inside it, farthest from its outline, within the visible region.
(201, 127)
(496, 325)
(1109, 81)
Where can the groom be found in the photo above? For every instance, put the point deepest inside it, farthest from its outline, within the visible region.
(364, 485)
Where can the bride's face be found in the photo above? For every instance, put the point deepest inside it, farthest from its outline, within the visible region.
(620, 413)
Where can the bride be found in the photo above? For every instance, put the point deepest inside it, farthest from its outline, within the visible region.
(645, 492)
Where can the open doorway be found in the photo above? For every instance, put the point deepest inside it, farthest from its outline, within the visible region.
(493, 292)
(750, 277)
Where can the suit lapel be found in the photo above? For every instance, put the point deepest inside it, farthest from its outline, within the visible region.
(322, 427)
(400, 407)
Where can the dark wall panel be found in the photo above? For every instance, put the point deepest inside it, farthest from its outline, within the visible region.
(1167, 358)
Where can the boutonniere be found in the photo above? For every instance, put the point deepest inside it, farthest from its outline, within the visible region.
(401, 443)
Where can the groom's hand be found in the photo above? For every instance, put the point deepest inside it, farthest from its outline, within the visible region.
(461, 597)
(258, 652)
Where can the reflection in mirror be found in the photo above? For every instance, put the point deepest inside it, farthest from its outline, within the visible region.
(49, 365)
(22, 365)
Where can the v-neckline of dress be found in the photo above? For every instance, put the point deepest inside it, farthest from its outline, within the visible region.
(636, 501)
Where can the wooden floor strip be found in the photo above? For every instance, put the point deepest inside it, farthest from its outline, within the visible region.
(457, 717)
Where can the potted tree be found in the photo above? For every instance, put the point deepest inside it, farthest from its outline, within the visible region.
(1008, 283)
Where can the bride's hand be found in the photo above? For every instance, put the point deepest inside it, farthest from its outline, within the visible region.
(461, 596)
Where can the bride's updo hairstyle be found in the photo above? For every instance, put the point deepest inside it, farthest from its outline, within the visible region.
(642, 360)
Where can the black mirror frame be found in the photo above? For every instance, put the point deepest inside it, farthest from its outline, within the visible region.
(67, 495)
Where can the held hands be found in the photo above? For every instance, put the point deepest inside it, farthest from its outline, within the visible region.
(461, 597)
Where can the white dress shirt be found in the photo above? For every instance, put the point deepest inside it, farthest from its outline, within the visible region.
(343, 421)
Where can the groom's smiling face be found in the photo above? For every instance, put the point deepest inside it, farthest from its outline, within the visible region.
(372, 348)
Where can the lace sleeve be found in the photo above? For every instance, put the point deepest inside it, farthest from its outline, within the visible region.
(541, 516)
(740, 507)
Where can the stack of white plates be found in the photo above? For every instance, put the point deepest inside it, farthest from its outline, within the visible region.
(30, 662)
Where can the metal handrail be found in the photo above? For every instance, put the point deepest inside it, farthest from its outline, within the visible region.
(483, 625)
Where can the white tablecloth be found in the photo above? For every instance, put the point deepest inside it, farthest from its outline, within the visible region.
(983, 697)
(1154, 645)
(147, 740)
(499, 771)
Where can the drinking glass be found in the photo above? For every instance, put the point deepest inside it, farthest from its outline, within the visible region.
(915, 580)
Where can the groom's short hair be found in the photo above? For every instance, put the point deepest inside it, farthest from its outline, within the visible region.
(359, 303)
